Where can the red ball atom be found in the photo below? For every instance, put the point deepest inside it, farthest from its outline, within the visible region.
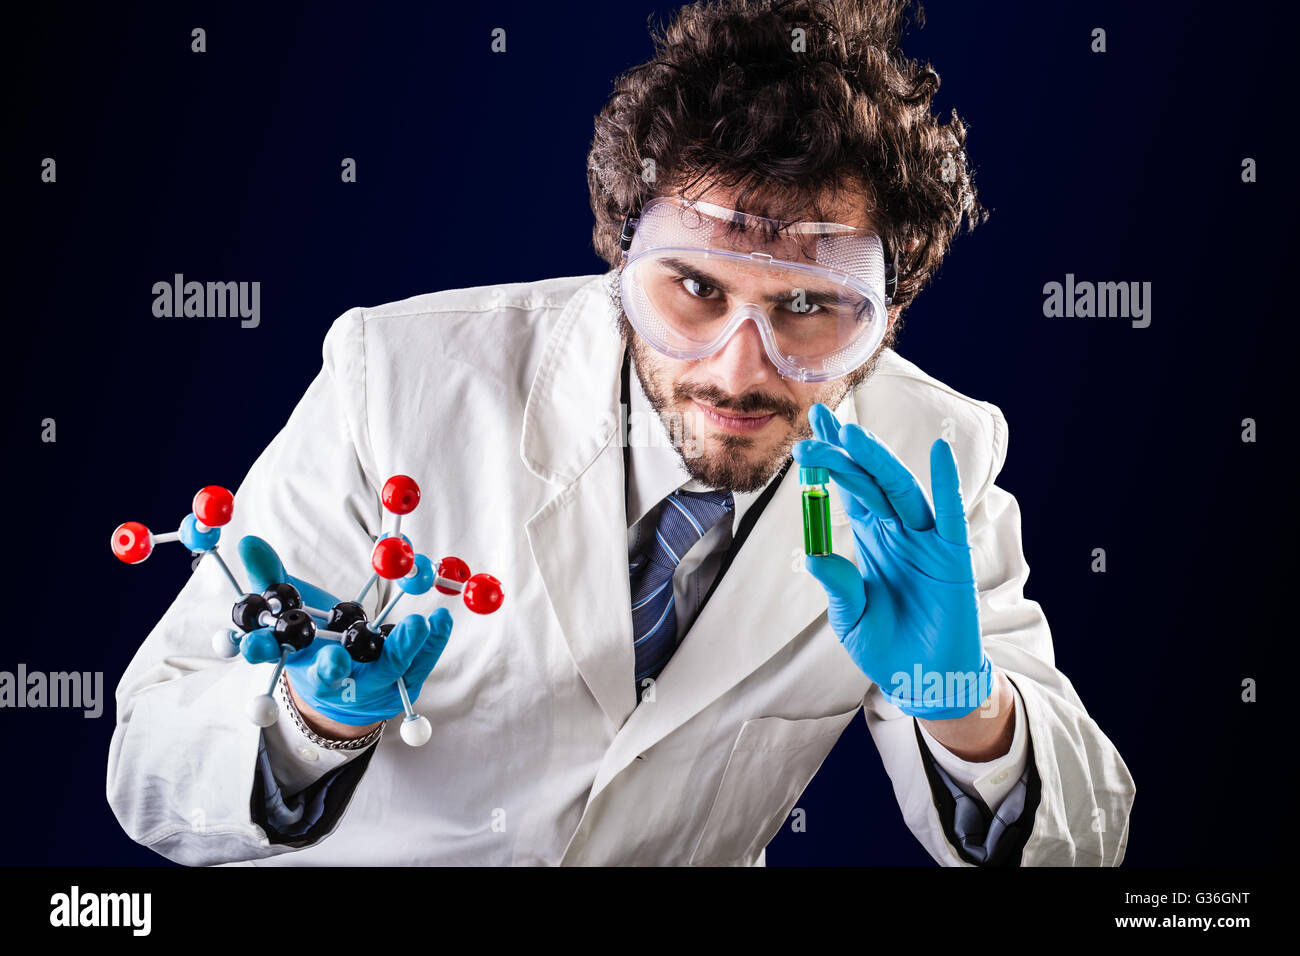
(213, 506)
(400, 495)
(453, 569)
(483, 594)
(131, 542)
(392, 558)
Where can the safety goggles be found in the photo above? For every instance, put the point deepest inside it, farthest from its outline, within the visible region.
(694, 272)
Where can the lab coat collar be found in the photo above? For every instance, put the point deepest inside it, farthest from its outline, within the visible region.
(572, 408)
(578, 538)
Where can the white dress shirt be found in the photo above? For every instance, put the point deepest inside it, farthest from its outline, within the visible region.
(656, 471)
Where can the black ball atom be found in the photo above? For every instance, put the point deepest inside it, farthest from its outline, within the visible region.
(343, 615)
(363, 642)
(295, 628)
(246, 611)
(286, 594)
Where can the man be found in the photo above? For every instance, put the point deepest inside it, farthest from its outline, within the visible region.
(770, 191)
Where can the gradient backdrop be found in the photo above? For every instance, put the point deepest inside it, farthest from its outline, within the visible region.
(1121, 166)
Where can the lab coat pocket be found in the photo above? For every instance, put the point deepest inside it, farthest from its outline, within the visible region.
(771, 763)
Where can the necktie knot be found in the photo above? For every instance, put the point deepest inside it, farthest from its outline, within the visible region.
(712, 505)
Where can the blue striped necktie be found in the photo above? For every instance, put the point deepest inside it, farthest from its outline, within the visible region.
(684, 518)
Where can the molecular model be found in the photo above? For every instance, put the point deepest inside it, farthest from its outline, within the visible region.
(281, 608)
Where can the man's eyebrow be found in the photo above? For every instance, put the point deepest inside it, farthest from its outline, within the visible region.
(687, 271)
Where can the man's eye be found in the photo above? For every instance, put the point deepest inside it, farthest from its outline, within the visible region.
(803, 308)
(698, 289)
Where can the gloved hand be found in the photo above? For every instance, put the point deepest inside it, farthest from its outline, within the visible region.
(910, 617)
(317, 672)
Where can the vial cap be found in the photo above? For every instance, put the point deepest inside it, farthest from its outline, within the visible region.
(814, 476)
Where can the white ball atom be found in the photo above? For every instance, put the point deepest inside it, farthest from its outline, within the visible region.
(262, 710)
(224, 644)
(416, 731)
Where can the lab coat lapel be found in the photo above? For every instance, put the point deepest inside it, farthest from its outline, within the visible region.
(763, 602)
(579, 537)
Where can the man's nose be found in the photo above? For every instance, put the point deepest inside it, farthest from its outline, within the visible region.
(741, 365)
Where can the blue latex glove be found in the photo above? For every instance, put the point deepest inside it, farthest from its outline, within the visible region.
(317, 672)
(910, 617)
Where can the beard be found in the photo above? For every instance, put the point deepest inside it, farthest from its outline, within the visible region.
(736, 462)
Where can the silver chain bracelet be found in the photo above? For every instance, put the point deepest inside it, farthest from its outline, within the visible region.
(325, 742)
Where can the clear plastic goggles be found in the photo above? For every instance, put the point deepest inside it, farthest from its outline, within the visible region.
(695, 272)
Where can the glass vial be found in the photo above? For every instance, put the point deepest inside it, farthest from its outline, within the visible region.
(816, 510)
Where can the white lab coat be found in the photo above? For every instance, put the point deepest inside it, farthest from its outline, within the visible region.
(503, 403)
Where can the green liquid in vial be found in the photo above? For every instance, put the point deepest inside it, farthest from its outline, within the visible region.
(816, 522)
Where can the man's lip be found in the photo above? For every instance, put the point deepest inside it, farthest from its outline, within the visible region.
(731, 419)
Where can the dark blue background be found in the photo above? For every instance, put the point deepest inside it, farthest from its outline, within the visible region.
(225, 166)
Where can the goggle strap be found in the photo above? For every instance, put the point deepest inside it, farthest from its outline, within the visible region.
(629, 229)
(891, 275)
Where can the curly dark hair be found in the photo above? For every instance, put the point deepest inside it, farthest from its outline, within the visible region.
(731, 97)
